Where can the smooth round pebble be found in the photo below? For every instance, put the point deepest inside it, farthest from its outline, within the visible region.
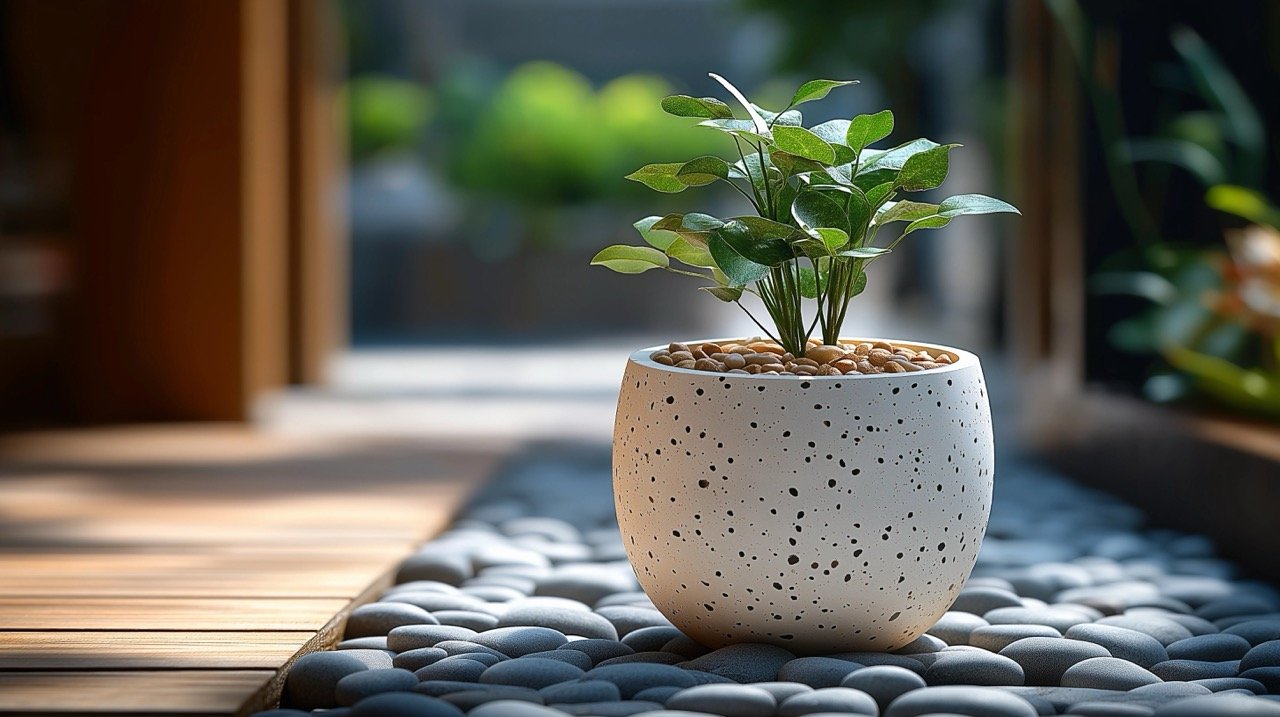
(1188, 670)
(1220, 706)
(313, 677)
(658, 694)
(417, 659)
(1266, 654)
(884, 683)
(1107, 673)
(649, 639)
(1235, 606)
(1221, 684)
(373, 659)
(624, 708)
(532, 672)
(357, 686)
(653, 656)
(1269, 676)
(632, 678)
(844, 700)
(412, 637)
(470, 619)
(456, 648)
(816, 671)
(379, 618)
(686, 647)
(1137, 647)
(746, 662)
(404, 704)
(924, 644)
(1045, 659)
(1111, 709)
(1057, 618)
(995, 638)
(598, 650)
(782, 690)
(572, 657)
(569, 622)
(585, 586)
(453, 670)
(1161, 628)
(979, 599)
(447, 568)
(627, 619)
(468, 700)
(727, 700)
(972, 701)
(581, 691)
(973, 667)
(372, 642)
(1213, 648)
(954, 627)
(1256, 631)
(517, 641)
(513, 708)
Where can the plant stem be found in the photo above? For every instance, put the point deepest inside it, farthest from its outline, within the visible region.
(757, 322)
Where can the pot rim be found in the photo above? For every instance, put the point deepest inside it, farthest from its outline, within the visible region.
(964, 360)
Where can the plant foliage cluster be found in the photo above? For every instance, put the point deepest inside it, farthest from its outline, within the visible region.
(821, 195)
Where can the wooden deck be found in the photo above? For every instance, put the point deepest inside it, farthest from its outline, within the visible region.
(177, 571)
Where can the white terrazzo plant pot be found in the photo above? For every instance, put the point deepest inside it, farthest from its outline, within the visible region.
(822, 514)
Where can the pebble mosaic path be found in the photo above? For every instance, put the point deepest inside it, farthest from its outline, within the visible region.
(527, 607)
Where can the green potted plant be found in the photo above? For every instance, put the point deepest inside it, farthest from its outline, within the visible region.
(823, 494)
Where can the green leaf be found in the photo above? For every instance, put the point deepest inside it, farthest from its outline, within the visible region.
(790, 117)
(790, 165)
(737, 127)
(866, 129)
(630, 259)
(702, 170)
(761, 240)
(670, 223)
(686, 106)
(834, 132)
(762, 127)
(872, 160)
(728, 294)
(751, 169)
(807, 282)
(863, 252)
(974, 204)
(1244, 203)
(803, 143)
(693, 221)
(859, 210)
(927, 169)
(859, 283)
(814, 209)
(832, 238)
(739, 270)
(871, 180)
(816, 90)
(877, 194)
(691, 253)
(660, 177)
(936, 221)
(658, 238)
(905, 211)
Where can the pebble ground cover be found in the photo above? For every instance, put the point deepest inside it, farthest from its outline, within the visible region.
(527, 607)
(758, 356)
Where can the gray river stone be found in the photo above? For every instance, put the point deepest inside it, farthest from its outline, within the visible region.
(569, 622)
(412, 637)
(447, 568)
(995, 638)
(1269, 676)
(842, 700)
(727, 700)
(372, 642)
(456, 648)
(1266, 654)
(1256, 631)
(1045, 659)
(1136, 647)
(1220, 706)
(913, 663)
(954, 627)
(452, 670)
(979, 600)
(648, 639)
(686, 646)
(657, 694)
(627, 619)
(467, 700)
(1107, 673)
(572, 657)
(404, 704)
(357, 686)
(514, 708)
(417, 659)
(624, 708)
(598, 650)
(924, 644)
(1246, 605)
(379, 618)
(478, 621)
(432, 601)
(488, 659)
(1161, 628)
(632, 678)
(816, 671)
(532, 672)
(973, 701)
(1111, 709)
(1214, 648)
(1058, 618)
(581, 691)
(973, 667)
(782, 690)
(884, 683)
(312, 678)
(373, 659)
(517, 641)
(586, 585)
(1221, 684)
(654, 656)
(552, 529)
(502, 554)
(746, 662)
(1188, 670)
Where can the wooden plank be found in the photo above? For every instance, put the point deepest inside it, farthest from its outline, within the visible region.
(177, 692)
(81, 613)
(125, 650)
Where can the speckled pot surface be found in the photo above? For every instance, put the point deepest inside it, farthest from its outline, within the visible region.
(823, 514)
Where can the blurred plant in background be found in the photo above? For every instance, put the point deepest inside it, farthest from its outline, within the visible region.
(1213, 321)
(385, 114)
